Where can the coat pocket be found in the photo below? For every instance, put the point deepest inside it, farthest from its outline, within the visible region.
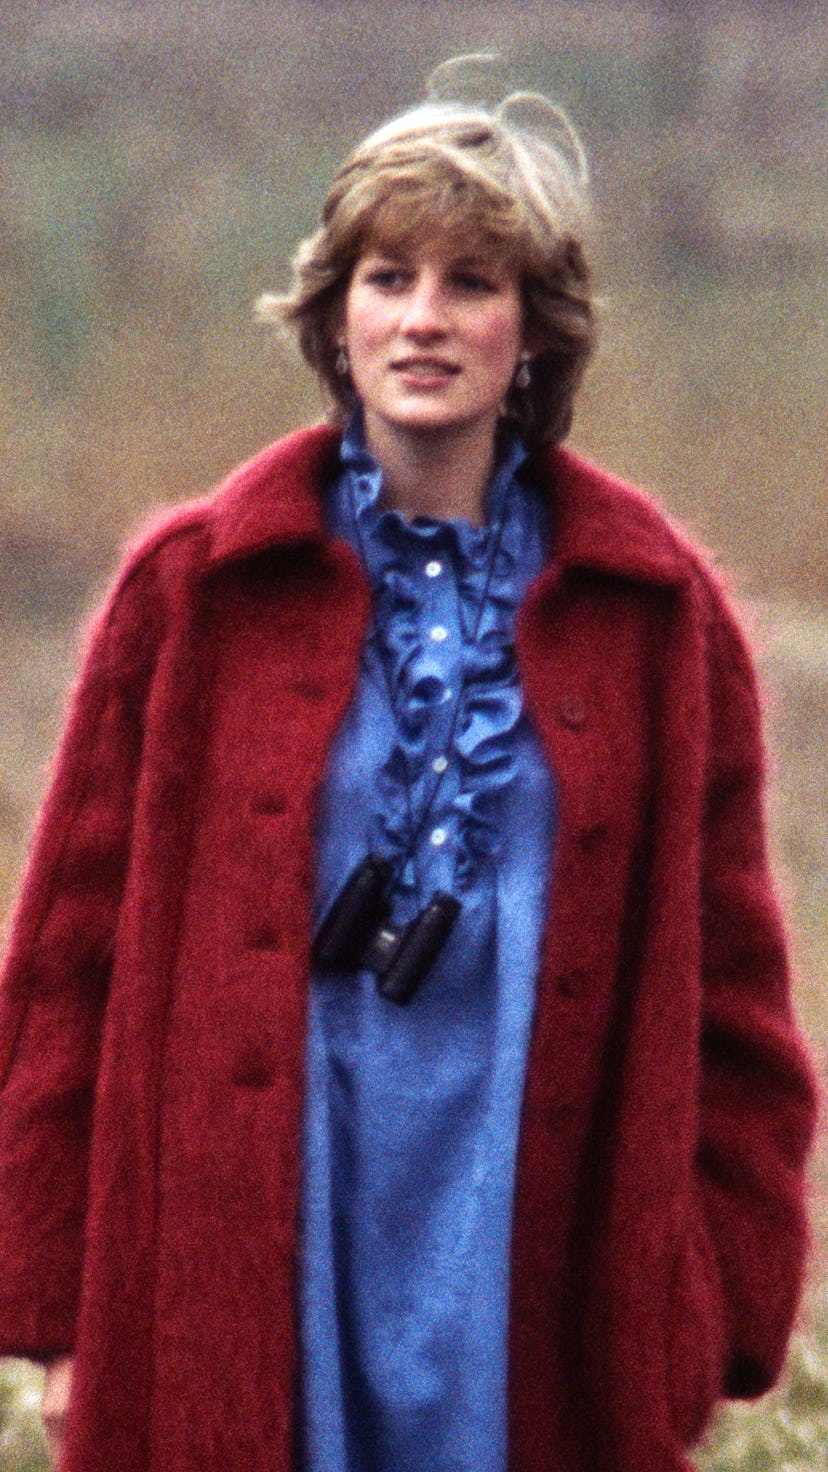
(696, 1333)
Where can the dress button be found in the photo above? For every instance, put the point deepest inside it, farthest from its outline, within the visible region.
(448, 694)
(433, 569)
(438, 837)
(438, 633)
(439, 764)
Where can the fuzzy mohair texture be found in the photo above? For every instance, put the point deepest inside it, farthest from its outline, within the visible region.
(153, 1001)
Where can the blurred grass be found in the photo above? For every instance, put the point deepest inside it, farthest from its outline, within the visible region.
(22, 1448)
(158, 162)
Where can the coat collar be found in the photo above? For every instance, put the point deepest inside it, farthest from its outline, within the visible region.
(600, 522)
(274, 498)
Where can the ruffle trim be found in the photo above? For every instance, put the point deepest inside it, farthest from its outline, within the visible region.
(481, 735)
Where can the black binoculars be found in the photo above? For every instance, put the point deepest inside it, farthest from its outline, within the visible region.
(357, 932)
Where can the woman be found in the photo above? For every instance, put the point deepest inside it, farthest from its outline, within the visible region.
(399, 1065)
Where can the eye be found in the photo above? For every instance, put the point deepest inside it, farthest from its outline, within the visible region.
(385, 277)
(474, 282)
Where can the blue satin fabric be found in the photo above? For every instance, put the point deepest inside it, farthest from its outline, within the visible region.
(412, 1113)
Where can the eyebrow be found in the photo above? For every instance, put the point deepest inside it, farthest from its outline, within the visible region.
(400, 256)
(479, 263)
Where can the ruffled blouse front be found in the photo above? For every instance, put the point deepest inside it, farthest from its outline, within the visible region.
(412, 1112)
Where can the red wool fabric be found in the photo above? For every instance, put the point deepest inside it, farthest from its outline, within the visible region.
(153, 1005)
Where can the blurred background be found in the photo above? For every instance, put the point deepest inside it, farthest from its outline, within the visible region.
(159, 162)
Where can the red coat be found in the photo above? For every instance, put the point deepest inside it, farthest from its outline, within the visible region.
(153, 1014)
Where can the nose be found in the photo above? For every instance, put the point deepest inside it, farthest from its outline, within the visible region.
(424, 315)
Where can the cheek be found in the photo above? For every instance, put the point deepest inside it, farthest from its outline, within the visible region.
(363, 326)
(501, 342)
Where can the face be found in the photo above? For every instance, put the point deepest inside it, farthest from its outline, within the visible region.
(433, 336)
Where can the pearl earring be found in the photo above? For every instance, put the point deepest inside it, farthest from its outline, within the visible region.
(523, 377)
(341, 363)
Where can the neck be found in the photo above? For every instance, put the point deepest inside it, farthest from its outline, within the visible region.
(444, 476)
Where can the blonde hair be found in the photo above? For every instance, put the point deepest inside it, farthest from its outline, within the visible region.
(515, 180)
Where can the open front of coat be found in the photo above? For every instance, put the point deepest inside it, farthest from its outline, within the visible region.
(153, 1006)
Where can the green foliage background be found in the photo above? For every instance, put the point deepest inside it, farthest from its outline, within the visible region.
(158, 162)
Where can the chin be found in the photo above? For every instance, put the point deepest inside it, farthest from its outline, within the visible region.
(440, 419)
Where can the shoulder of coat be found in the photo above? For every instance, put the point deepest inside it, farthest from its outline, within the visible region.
(267, 498)
(156, 555)
(249, 490)
(610, 522)
(131, 618)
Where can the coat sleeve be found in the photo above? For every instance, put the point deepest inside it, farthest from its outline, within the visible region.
(54, 982)
(758, 1100)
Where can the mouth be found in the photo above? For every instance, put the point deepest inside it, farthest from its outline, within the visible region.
(425, 368)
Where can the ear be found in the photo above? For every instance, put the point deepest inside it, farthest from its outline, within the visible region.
(531, 341)
(335, 321)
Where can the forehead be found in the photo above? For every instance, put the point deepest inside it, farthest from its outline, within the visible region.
(443, 253)
(439, 247)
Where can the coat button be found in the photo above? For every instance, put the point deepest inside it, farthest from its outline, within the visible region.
(571, 713)
(560, 1115)
(310, 689)
(271, 803)
(253, 1068)
(590, 838)
(264, 938)
(573, 983)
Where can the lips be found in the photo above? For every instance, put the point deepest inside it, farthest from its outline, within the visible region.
(425, 367)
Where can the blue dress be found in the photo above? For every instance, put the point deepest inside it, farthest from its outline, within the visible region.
(412, 1112)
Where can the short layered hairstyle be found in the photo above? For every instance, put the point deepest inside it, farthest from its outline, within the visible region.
(513, 181)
